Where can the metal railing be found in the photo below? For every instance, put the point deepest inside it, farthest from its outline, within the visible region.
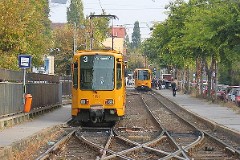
(46, 90)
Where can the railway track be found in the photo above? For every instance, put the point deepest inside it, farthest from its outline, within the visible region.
(151, 129)
(229, 138)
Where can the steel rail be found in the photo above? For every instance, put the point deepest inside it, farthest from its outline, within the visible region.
(227, 147)
(107, 145)
(193, 144)
(180, 149)
(56, 146)
(101, 148)
(146, 145)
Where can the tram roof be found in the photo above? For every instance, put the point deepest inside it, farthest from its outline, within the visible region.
(98, 51)
(137, 69)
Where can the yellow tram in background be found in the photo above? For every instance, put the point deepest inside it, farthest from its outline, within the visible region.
(143, 79)
(98, 89)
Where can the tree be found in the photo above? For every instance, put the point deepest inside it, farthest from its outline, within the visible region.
(25, 30)
(62, 50)
(136, 36)
(202, 31)
(65, 36)
(99, 29)
(75, 13)
(127, 42)
(79, 30)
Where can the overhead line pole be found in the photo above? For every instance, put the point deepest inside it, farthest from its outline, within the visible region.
(91, 34)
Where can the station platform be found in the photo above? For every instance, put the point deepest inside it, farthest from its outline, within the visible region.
(217, 113)
(28, 128)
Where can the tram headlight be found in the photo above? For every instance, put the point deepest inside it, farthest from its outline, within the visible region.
(109, 102)
(83, 101)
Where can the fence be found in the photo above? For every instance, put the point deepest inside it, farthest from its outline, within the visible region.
(11, 98)
(46, 90)
(66, 85)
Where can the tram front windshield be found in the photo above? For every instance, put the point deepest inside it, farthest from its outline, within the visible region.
(143, 75)
(96, 72)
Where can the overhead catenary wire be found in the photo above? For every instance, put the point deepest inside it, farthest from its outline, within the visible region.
(101, 5)
(129, 9)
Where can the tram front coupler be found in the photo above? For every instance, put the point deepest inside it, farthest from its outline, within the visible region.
(96, 114)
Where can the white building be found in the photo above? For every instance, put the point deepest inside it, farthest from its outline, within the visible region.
(49, 65)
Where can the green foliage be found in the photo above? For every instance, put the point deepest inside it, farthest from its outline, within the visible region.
(75, 13)
(127, 41)
(100, 29)
(136, 60)
(25, 29)
(81, 28)
(8, 61)
(63, 48)
(136, 36)
(208, 29)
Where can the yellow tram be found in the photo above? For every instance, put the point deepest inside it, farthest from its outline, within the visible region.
(143, 79)
(98, 90)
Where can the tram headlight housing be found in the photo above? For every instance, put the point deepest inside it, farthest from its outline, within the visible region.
(84, 101)
(109, 102)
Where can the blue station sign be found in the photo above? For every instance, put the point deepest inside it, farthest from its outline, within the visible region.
(24, 61)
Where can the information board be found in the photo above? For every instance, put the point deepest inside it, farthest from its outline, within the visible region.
(24, 61)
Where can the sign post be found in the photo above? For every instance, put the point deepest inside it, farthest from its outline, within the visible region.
(24, 62)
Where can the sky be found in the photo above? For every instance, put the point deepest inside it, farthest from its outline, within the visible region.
(146, 12)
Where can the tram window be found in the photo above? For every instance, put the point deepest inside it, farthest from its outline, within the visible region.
(143, 75)
(75, 75)
(86, 78)
(119, 76)
(97, 72)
